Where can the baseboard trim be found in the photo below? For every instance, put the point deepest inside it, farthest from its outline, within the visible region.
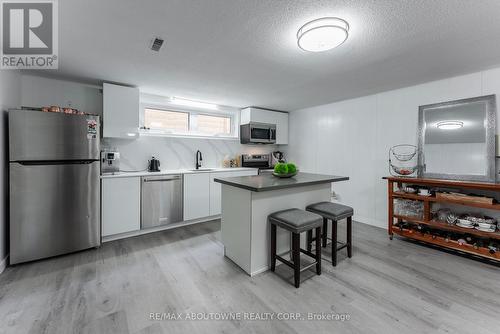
(369, 221)
(114, 237)
(259, 271)
(3, 264)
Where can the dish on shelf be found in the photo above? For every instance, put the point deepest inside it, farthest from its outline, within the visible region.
(464, 226)
(481, 219)
(489, 230)
(464, 221)
(486, 225)
(409, 190)
(424, 192)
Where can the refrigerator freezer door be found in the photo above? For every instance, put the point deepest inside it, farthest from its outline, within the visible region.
(54, 209)
(36, 135)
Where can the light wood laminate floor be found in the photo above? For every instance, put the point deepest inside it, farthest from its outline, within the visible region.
(387, 287)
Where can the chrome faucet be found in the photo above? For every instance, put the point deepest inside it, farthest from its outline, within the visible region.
(199, 159)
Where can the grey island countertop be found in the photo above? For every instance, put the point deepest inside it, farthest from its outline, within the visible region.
(267, 182)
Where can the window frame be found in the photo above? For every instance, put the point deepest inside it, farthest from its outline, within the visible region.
(231, 113)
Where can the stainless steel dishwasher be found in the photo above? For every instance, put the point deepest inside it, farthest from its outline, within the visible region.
(161, 200)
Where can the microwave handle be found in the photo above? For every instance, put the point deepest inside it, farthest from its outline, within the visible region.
(272, 134)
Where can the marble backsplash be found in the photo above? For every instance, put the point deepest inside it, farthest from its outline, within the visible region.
(179, 153)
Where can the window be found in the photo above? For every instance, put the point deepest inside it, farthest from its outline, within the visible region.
(188, 122)
(166, 120)
(213, 125)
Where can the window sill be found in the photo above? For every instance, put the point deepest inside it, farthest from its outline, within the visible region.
(173, 135)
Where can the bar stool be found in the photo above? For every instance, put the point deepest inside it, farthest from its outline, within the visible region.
(334, 212)
(295, 221)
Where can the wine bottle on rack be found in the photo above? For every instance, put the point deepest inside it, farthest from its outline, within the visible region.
(447, 237)
(478, 244)
(492, 248)
(421, 229)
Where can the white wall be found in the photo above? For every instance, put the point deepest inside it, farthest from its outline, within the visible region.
(9, 98)
(41, 92)
(173, 152)
(353, 137)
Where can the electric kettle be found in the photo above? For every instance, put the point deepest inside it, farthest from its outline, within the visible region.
(154, 165)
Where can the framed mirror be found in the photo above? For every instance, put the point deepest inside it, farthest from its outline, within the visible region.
(456, 139)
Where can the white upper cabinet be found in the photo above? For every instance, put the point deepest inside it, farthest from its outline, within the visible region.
(267, 116)
(120, 111)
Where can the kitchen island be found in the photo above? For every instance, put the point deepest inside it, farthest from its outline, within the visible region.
(248, 200)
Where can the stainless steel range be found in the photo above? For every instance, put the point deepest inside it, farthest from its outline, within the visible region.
(54, 184)
(260, 161)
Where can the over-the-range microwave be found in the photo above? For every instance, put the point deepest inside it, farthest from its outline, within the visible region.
(258, 133)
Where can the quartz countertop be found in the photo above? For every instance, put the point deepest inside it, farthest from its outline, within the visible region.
(174, 171)
(267, 182)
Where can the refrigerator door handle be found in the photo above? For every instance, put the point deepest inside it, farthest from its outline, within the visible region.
(55, 162)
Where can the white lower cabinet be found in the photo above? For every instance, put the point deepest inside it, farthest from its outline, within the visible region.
(196, 196)
(121, 199)
(121, 205)
(215, 188)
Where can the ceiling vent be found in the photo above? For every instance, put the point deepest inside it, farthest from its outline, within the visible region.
(156, 44)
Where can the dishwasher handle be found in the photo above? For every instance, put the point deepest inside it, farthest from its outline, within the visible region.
(161, 179)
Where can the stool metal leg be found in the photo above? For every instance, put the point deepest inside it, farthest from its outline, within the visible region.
(318, 251)
(325, 231)
(273, 247)
(309, 240)
(334, 243)
(349, 236)
(296, 257)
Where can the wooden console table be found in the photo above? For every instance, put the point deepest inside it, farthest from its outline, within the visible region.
(434, 224)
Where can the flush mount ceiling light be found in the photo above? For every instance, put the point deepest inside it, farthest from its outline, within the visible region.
(450, 125)
(322, 34)
(196, 104)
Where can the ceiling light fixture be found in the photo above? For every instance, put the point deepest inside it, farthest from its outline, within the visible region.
(450, 125)
(322, 34)
(196, 104)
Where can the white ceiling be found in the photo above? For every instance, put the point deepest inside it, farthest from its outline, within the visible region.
(243, 52)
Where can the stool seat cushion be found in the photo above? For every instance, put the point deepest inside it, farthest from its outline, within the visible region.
(333, 211)
(296, 220)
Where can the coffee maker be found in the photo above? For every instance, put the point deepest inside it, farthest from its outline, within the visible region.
(110, 162)
(277, 156)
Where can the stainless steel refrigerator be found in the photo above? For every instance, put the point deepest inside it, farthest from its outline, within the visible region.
(54, 173)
